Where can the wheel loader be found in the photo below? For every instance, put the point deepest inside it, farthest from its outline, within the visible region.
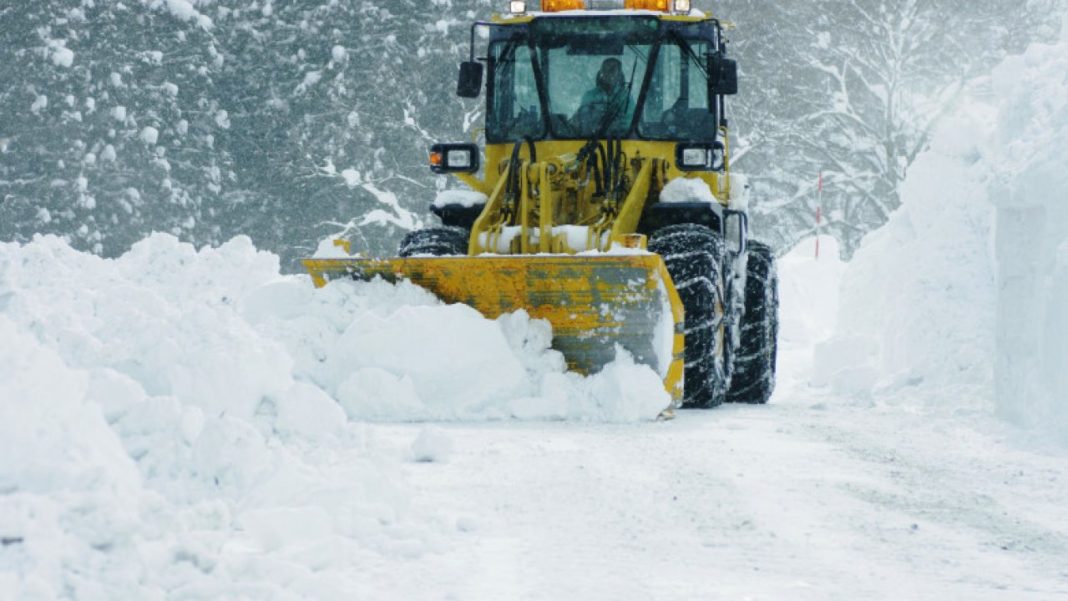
(603, 199)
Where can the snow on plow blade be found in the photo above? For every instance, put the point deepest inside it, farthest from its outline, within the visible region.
(593, 302)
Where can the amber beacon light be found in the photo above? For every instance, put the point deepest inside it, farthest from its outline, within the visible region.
(552, 6)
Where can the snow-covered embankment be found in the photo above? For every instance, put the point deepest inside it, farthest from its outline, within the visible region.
(959, 302)
(166, 414)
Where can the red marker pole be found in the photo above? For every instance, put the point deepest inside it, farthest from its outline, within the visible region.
(819, 213)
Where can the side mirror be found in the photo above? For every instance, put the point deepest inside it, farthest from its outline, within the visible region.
(722, 76)
(470, 83)
(735, 231)
(699, 156)
(454, 158)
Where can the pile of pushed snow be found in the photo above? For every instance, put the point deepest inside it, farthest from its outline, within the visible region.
(1028, 156)
(224, 333)
(152, 438)
(168, 414)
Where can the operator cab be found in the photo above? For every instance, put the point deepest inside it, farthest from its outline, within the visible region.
(580, 75)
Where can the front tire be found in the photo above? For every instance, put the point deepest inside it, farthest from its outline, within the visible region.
(694, 255)
(753, 379)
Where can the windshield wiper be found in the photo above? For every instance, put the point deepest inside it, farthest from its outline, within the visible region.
(539, 85)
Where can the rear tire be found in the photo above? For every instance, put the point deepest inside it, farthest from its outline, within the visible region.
(694, 255)
(435, 241)
(753, 379)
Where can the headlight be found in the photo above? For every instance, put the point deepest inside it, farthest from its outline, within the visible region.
(695, 157)
(454, 158)
(460, 159)
(699, 156)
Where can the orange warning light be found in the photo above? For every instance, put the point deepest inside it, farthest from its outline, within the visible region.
(660, 5)
(552, 6)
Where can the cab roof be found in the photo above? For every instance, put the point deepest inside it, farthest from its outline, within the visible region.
(509, 19)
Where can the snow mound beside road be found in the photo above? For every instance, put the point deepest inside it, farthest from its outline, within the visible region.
(958, 303)
(1028, 155)
(166, 413)
(223, 333)
(916, 319)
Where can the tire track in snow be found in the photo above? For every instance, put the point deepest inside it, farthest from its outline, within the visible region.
(773, 502)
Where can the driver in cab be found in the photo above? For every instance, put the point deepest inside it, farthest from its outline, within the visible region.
(606, 107)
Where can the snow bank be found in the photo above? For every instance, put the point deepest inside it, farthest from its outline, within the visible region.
(149, 433)
(808, 291)
(808, 311)
(170, 414)
(917, 316)
(1029, 153)
(963, 292)
(222, 332)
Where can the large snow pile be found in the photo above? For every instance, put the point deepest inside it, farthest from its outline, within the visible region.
(1029, 156)
(175, 420)
(917, 300)
(970, 277)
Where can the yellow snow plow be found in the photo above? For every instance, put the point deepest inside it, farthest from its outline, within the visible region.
(593, 303)
(606, 203)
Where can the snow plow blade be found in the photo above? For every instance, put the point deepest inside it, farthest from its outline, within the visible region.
(593, 302)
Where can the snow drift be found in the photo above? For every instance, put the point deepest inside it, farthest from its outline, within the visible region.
(916, 320)
(1028, 156)
(164, 413)
(222, 332)
(959, 301)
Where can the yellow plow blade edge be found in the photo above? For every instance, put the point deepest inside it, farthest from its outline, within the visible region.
(593, 302)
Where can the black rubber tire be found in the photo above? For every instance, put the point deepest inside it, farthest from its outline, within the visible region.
(695, 255)
(753, 379)
(436, 241)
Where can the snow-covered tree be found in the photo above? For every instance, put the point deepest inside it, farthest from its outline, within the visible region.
(284, 120)
(107, 123)
(334, 106)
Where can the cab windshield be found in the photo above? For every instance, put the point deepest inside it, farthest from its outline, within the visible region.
(586, 78)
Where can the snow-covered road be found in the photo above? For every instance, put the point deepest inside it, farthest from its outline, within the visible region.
(795, 500)
(191, 424)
